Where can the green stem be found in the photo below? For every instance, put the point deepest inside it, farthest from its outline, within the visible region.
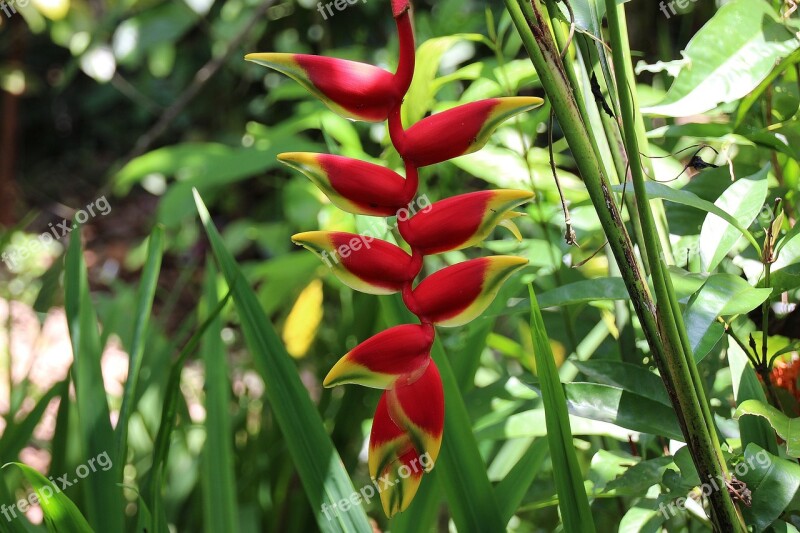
(706, 451)
(658, 325)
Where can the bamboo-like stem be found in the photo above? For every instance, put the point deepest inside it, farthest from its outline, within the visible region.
(706, 451)
(656, 205)
(659, 325)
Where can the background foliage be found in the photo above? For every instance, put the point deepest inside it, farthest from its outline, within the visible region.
(228, 427)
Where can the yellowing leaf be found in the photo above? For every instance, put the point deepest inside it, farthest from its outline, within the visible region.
(303, 321)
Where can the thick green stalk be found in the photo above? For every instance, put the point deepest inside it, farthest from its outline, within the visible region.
(706, 452)
(660, 331)
(656, 205)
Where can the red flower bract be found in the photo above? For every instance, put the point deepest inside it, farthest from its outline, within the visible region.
(409, 420)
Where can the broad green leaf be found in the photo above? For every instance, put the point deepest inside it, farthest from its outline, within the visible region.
(720, 295)
(743, 200)
(141, 319)
(319, 466)
(623, 408)
(746, 386)
(204, 166)
(627, 376)
(572, 500)
(730, 55)
(659, 190)
(60, 514)
(585, 291)
(218, 482)
(532, 424)
(787, 428)
(773, 481)
(640, 477)
(103, 496)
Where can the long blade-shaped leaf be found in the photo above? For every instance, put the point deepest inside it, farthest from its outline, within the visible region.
(572, 500)
(219, 489)
(103, 496)
(60, 514)
(147, 291)
(319, 466)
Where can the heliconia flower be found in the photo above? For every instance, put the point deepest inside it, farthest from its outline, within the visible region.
(394, 357)
(457, 294)
(400, 453)
(458, 131)
(352, 185)
(463, 220)
(362, 262)
(349, 88)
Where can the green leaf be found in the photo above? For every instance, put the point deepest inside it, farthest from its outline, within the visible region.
(627, 376)
(511, 491)
(623, 408)
(640, 477)
(572, 500)
(219, 487)
(585, 291)
(785, 271)
(659, 190)
(746, 386)
(787, 428)
(318, 465)
(141, 319)
(774, 483)
(103, 496)
(720, 295)
(743, 200)
(18, 435)
(60, 514)
(730, 55)
(420, 96)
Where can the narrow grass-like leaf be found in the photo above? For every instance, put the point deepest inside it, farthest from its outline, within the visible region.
(318, 465)
(103, 496)
(572, 500)
(219, 488)
(141, 317)
(168, 412)
(511, 491)
(18, 435)
(60, 514)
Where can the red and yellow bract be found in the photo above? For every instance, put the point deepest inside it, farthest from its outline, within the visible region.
(409, 420)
